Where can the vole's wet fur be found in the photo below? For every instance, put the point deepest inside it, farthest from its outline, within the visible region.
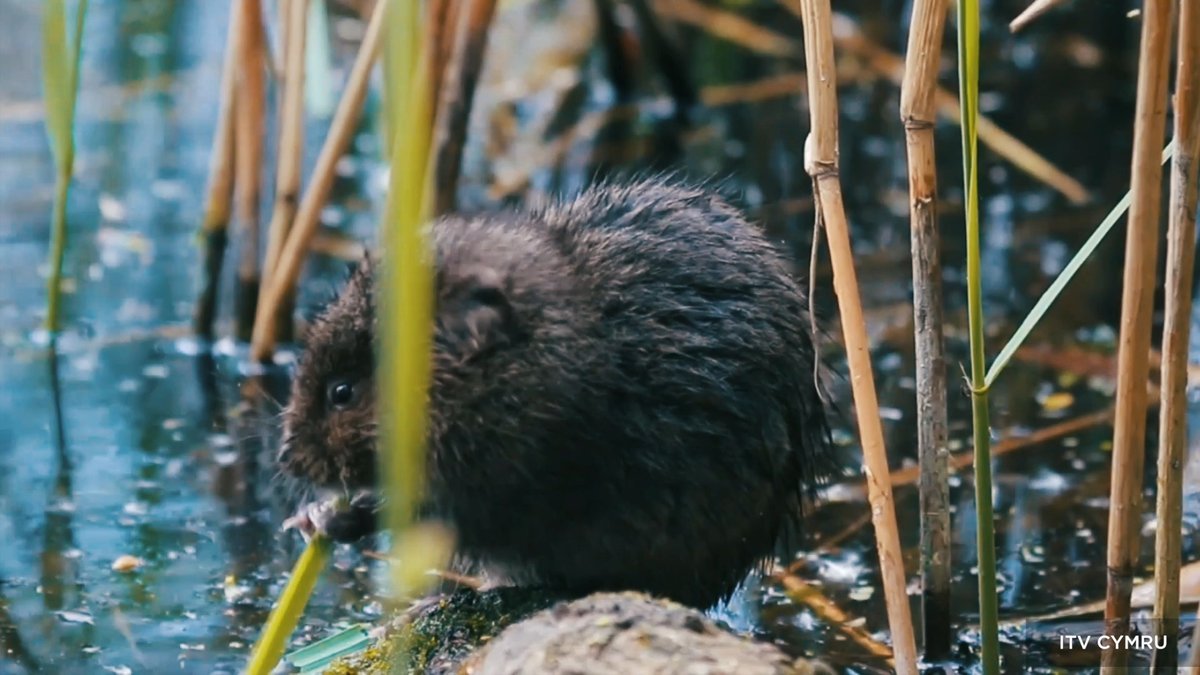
(623, 393)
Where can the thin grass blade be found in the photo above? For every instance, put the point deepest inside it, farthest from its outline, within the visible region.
(56, 77)
(1060, 282)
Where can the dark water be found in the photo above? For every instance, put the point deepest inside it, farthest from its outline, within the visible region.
(133, 440)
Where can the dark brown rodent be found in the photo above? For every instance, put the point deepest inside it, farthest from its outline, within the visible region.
(623, 393)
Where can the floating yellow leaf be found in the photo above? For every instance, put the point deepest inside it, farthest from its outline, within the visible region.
(1058, 401)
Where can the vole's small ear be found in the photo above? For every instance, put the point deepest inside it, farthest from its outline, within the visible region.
(475, 314)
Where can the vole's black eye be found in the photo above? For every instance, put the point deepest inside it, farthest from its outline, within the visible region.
(489, 296)
(339, 393)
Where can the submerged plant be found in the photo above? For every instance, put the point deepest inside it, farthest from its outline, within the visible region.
(60, 80)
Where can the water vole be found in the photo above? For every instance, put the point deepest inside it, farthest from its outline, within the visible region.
(623, 394)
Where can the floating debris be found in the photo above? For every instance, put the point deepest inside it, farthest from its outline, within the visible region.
(233, 590)
(316, 656)
(68, 616)
(112, 209)
(1057, 402)
(156, 371)
(127, 563)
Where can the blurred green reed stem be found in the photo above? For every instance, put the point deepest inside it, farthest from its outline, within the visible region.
(406, 298)
(60, 80)
(968, 84)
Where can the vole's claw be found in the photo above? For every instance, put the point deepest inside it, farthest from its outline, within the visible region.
(312, 519)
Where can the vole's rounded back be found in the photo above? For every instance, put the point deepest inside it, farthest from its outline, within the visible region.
(623, 392)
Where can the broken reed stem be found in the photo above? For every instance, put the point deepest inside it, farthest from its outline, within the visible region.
(1181, 238)
(820, 160)
(1137, 306)
(457, 94)
(282, 280)
(250, 120)
(1033, 11)
(949, 106)
(290, 164)
(918, 113)
(214, 230)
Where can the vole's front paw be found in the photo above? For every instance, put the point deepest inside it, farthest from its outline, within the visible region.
(313, 518)
(336, 518)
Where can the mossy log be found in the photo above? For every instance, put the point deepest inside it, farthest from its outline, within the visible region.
(510, 631)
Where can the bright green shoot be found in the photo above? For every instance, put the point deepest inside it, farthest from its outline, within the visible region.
(60, 78)
(968, 81)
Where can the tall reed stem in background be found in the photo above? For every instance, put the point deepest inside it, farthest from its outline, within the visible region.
(290, 160)
(406, 301)
(282, 280)
(60, 81)
(1181, 237)
(820, 160)
(1137, 307)
(457, 93)
(968, 84)
(249, 121)
(919, 113)
(214, 231)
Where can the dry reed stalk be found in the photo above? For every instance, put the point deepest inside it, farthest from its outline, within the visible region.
(812, 597)
(1181, 238)
(284, 277)
(848, 36)
(249, 123)
(730, 26)
(1194, 657)
(456, 96)
(736, 29)
(918, 113)
(820, 160)
(1033, 11)
(1137, 306)
(290, 165)
(966, 459)
(214, 230)
(763, 89)
(443, 21)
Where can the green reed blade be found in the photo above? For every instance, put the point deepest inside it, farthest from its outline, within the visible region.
(968, 82)
(56, 77)
(60, 78)
(1064, 277)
